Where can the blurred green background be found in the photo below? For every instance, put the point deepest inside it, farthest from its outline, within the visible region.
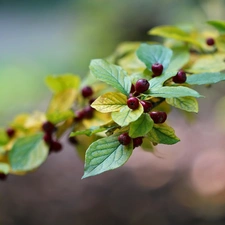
(180, 184)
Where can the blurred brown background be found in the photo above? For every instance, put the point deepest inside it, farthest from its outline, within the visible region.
(180, 184)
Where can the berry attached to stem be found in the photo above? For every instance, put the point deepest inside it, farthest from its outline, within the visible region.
(87, 91)
(158, 117)
(157, 69)
(180, 77)
(124, 139)
(142, 85)
(133, 103)
(55, 146)
(147, 106)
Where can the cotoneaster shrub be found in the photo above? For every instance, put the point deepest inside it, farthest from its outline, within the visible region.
(123, 103)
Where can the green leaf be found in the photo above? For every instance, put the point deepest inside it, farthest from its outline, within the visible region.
(88, 132)
(111, 74)
(4, 168)
(126, 115)
(28, 153)
(105, 154)
(218, 24)
(205, 78)
(173, 92)
(163, 134)
(57, 117)
(3, 137)
(141, 126)
(110, 102)
(174, 33)
(63, 82)
(150, 54)
(158, 81)
(180, 57)
(189, 104)
(208, 63)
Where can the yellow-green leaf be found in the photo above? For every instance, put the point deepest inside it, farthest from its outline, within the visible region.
(62, 101)
(208, 63)
(57, 116)
(218, 24)
(162, 133)
(174, 33)
(126, 115)
(62, 82)
(110, 102)
(189, 104)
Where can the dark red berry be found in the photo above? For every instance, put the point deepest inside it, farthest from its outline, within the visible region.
(124, 139)
(55, 146)
(88, 112)
(210, 41)
(133, 103)
(157, 69)
(142, 85)
(137, 141)
(158, 117)
(73, 140)
(79, 115)
(147, 106)
(132, 89)
(48, 127)
(47, 138)
(180, 77)
(10, 132)
(87, 91)
(3, 176)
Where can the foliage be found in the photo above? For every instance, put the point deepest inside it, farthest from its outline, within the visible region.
(97, 119)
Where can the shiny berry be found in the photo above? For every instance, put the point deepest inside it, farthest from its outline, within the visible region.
(87, 91)
(157, 69)
(124, 139)
(210, 41)
(158, 117)
(55, 146)
(133, 103)
(180, 77)
(10, 132)
(48, 127)
(137, 141)
(3, 176)
(142, 85)
(147, 106)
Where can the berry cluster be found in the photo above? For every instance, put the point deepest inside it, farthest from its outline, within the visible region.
(87, 112)
(125, 139)
(141, 86)
(54, 145)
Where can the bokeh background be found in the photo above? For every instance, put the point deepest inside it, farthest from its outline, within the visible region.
(180, 184)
